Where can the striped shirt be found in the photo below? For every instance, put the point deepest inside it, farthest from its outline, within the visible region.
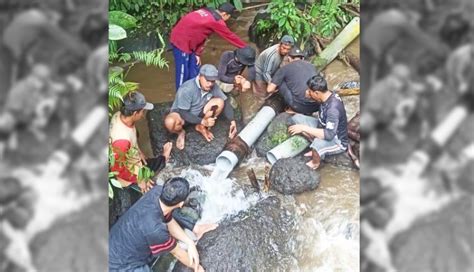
(140, 234)
(268, 63)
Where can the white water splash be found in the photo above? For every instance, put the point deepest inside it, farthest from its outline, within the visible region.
(223, 198)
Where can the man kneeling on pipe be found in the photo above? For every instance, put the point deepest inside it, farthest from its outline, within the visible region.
(199, 101)
(329, 131)
(148, 230)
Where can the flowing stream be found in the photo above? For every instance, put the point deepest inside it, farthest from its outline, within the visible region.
(327, 238)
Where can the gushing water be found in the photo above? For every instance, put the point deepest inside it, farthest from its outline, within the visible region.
(223, 196)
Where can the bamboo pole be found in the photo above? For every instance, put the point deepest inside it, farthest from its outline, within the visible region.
(348, 92)
(343, 39)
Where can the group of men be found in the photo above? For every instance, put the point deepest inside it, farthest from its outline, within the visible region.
(147, 229)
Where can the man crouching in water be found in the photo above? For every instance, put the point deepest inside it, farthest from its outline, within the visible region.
(148, 230)
(329, 131)
(199, 101)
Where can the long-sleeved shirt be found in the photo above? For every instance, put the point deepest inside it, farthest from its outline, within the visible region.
(229, 68)
(191, 32)
(333, 119)
(268, 63)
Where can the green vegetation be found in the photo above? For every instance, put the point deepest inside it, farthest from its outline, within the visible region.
(164, 14)
(302, 20)
(278, 136)
(298, 142)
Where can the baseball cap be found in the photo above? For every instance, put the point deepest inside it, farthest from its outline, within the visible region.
(209, 71)
(246, 55)
(287, 39)
(228, 8)
(136, 101)
(296, 52)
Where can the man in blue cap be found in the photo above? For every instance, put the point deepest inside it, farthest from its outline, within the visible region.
(199, 101)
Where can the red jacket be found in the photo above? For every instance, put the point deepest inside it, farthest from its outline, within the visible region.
(191, 32)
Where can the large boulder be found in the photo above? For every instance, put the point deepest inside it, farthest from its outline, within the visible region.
(276, 133)
(441, 241)
(197, 150)
(258, 239)
(292, 176)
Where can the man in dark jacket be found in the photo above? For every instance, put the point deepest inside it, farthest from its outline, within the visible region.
(231, 66)
(189, 35)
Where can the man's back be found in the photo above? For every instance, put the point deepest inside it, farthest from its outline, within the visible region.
(131, 237)
(295, 75)
(190, 33)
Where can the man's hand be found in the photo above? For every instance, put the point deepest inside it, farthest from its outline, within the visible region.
(193, 256)
(201, 269)
(232, 129)
(145, 186)
(198, 60)
(208, 122)
(296, 129)
(238, 79)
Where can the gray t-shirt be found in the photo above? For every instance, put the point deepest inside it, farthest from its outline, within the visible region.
(191, 98)
(295, 75)
(268, 63)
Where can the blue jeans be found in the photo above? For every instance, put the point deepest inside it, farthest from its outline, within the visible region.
(186, 66)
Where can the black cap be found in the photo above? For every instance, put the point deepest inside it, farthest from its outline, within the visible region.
(227, 8)
(296, 52)
(246, 55)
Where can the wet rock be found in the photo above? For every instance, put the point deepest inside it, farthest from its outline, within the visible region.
(340, 160)
(254, 240)
(276, 133)
(122, 201)
(77, 242)
(292, 176)
(197, 150)
(441, 241)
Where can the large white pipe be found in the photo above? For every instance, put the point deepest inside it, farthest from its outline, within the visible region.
(289, 148)
(259, 123)
(227, 160)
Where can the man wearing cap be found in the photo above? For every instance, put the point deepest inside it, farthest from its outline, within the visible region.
(189, 35)
(290, 80)
(148, 230)
(199, 101)
(268, 63)
(129, 159)
(329, 132)
(231, 66)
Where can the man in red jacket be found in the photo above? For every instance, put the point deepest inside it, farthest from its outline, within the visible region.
(189, 35)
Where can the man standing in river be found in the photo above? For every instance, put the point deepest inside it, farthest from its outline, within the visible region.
(189, 36)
